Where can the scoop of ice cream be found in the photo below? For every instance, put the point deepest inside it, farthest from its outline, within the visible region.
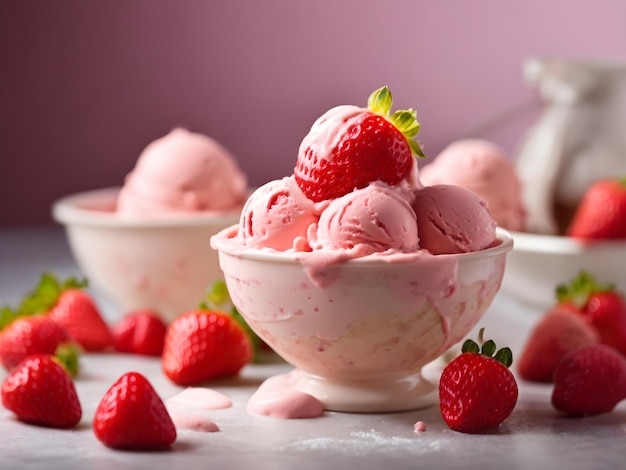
(452, 219)
(372, 219)
(277, 216)
(484, 168)
(182, 172)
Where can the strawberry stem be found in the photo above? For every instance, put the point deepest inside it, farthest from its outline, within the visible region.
(380, 102)
(488, 348)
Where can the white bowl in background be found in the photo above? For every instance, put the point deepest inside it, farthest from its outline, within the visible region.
(539, 263)
(360, 338)
(163, 262)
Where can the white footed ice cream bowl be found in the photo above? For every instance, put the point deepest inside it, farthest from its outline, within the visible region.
(360, 332)
(164, 262)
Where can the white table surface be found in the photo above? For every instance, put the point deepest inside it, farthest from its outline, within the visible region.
(533, 437)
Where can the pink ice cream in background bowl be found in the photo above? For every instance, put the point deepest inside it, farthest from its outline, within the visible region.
(348, 292)
(146, 244)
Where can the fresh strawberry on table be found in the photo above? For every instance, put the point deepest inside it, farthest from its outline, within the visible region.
(203, 344)
(74, 309)
(24, 336)
(589, 381)
(601, 213)
(600, 304)
(559, 331)
(40, 391)
(140, 332)
(477, 391)
(132, 416)
(373, 146)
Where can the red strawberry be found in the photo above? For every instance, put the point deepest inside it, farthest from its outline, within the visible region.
(601, 213)
(371, 146)
(76, 311)
(40, 391)
(477, 391)
(201, 345)
(71, 307)
(558, 332)
(589, 381)
(140, 332)
(37, 334)
(601, 305)
(132, 416)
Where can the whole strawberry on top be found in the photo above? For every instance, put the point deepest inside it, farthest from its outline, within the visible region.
(349, 147)
(600, 304)
(203, 344)
(477, 391)
(601, 214)
(40, 391)
(71, 307)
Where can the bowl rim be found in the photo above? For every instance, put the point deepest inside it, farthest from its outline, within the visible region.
(67, 210)
(221, 243)
(559, 244)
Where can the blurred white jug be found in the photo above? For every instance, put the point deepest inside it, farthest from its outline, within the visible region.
(579, 137)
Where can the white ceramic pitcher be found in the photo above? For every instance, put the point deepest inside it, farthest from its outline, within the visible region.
(579, 137)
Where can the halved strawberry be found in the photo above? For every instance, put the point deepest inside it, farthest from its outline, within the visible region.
(349, 147)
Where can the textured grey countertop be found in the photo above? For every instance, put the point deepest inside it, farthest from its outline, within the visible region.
(533, 437)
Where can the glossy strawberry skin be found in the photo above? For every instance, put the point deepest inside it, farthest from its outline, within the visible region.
(25, 336)
(606, 311)
(202, 345)
(589, 381)
(372, 149)
(559, 331)
(40, 391)
(140, 332)
(476, 393)
(132, 416)
(76, 311)
(601, 214)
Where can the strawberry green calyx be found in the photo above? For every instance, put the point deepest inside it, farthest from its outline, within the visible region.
(218, 299)
(489, 349)
(581, 288)
(380, 102)
(67, 355)
(46, 293)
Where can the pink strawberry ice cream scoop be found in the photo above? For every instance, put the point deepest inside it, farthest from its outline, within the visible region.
(484, 168)
(452, 219)
(183, 172)
(277, 215)
(373, 219)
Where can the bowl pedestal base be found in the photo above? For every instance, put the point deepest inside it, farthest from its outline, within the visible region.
(372, 395)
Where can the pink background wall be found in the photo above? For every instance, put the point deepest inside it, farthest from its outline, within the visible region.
(84, 86)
